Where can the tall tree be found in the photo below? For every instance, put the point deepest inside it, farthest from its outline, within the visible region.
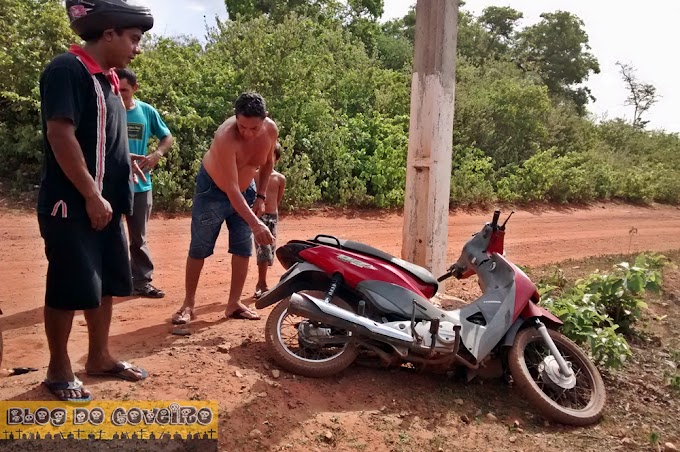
(314, 9)
(556, 48)
(500, 23)
(278, 9)
(403, 26)
(473, 39)
(360, 17)
(33, 31)
(372, 9)
(641, 96)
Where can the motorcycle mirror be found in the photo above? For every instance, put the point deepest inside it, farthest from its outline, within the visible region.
(502, 228)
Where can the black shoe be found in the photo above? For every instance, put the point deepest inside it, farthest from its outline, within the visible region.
(149, 291)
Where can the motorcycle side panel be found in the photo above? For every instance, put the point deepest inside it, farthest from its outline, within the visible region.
(481, 339)
(526, 290)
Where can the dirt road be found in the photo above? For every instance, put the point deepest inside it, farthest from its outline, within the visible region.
(190, 367)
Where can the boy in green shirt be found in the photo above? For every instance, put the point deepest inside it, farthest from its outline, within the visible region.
(143, 122)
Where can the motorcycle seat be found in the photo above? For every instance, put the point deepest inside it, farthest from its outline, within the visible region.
(417, 271)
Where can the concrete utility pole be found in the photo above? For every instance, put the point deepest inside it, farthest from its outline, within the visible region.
(428, 173)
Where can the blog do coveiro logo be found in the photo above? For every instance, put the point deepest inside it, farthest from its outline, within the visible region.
(108, 420)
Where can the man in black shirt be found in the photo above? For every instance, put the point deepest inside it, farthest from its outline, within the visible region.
(86, 187)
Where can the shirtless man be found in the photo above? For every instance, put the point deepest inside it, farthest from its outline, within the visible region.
(265, 253)
(225, 191)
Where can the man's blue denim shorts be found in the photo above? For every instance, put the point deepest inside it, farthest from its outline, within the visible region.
(211, 208)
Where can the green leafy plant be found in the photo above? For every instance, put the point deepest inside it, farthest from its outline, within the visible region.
(555, 280)
(598, 310)
(586, 325)
(674, 382)
(654, 438)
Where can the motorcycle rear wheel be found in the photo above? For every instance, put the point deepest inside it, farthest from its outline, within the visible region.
(528, 358)
(297, 359)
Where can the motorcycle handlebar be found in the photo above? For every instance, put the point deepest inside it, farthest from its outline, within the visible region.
(453, 270)
(496, 216)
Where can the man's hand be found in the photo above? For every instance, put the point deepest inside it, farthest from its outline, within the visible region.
(262, 234)
(137, 172)
(258, 207)
(99, 210)
(149, 162)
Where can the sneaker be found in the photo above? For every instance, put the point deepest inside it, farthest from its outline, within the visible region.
(149, 291)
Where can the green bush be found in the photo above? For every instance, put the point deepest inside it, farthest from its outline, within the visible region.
(585, 324)
(301, 189)
(600, 309)
(500, 112)
(622, 291)
(471, 178)
(33, 32)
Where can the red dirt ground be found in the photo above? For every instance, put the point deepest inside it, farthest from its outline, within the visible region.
(362, 408)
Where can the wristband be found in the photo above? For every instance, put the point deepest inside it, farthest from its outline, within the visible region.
(262, 197)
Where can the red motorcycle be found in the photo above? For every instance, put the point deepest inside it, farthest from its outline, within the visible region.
(339, 299)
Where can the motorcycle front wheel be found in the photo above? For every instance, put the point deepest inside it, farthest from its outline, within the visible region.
(306, 348)
(578, 400)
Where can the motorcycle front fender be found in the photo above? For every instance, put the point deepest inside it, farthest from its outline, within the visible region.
(300, 276)
(530, 311)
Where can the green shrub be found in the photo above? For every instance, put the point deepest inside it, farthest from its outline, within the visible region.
(301, 189)
(585, 324)
(471, 178)
(598, 310)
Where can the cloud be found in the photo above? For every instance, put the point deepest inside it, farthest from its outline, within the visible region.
(195, 6)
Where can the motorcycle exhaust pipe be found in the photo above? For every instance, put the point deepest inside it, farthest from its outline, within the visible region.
(318, 310)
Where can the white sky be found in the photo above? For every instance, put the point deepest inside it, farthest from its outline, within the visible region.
(643, 34)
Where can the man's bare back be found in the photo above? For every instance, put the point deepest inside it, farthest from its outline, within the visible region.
(277, 183)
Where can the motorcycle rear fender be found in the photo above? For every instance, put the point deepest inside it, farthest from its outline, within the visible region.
(300, 276)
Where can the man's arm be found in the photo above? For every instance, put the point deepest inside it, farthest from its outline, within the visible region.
(69, 155)
(161, 131)
(265, 172)
(165, 144)
(149, 162)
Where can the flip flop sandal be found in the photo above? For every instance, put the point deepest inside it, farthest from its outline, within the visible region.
(259, 293)
(243, 314)
(183, 316)
(124, 371)
(75, 385)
